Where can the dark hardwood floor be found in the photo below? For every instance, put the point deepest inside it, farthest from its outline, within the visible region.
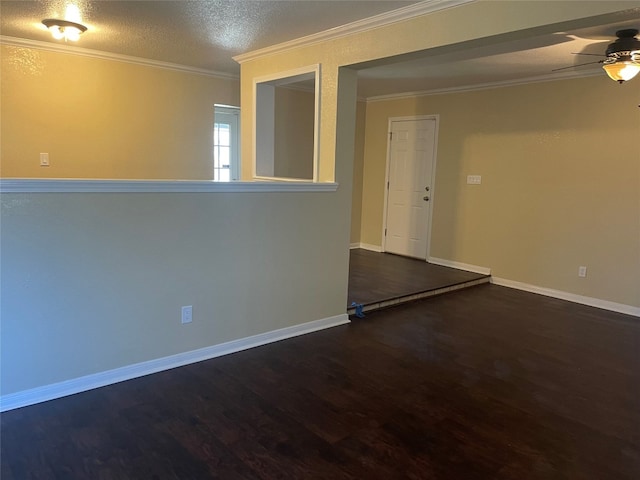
(377, 279)
(483, 383)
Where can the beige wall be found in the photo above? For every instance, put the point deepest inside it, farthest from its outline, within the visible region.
(451, 29)
(294, 131)
(105, 119)
(94, 281)
(560, 188)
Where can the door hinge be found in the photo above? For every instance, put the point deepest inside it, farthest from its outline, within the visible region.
(385, 232)
(390, 136)
(387, 185)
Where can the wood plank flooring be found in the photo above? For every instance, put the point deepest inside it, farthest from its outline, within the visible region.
(483, 383)
(378, 280)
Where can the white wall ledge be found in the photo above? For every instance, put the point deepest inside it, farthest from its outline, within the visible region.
(23, 185)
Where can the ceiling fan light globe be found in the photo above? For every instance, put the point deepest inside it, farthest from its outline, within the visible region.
(622, 71)
(72, 34)
(56, 32)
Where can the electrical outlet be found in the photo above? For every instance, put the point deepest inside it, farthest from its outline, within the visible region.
(187, 314)
(582, 271)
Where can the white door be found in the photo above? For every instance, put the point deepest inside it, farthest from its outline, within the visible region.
(411, 158)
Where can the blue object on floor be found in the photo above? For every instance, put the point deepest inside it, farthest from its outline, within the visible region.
(359, 307)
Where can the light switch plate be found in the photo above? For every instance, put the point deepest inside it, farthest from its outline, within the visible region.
(474, 179)
(44, 159)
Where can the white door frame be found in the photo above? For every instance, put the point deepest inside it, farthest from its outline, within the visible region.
(432, 191)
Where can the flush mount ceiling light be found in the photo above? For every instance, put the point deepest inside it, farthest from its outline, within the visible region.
(64, 29)
(623, 56)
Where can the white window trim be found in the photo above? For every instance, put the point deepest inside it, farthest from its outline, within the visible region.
(315, 69)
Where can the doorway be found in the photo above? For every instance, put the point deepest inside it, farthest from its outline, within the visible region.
(411, 158)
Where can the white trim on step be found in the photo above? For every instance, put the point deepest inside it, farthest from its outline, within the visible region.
(417, 296)
(459, 265)
(89, 382)
(571, 297)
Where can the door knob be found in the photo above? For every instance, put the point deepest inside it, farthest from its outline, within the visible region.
(426, 198)
(426, 188)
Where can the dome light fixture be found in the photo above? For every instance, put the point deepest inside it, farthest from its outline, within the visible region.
(64, 29)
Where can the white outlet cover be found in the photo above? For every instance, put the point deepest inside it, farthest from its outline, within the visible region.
(187, 314)
(474, 179)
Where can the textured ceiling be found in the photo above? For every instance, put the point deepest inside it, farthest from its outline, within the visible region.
(202, 34)
(207, 34)
(523, 59)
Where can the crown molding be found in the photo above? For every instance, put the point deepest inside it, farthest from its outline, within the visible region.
(86, 52)
(388, 18)
(486, 86)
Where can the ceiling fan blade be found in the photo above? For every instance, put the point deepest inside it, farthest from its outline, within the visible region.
(576, 66)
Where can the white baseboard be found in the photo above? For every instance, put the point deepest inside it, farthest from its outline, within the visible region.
(460, 266)
(571, 297)
(367, 246)
(89, 382)
(354, 245)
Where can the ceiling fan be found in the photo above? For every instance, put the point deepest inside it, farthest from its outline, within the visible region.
(622, 57)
